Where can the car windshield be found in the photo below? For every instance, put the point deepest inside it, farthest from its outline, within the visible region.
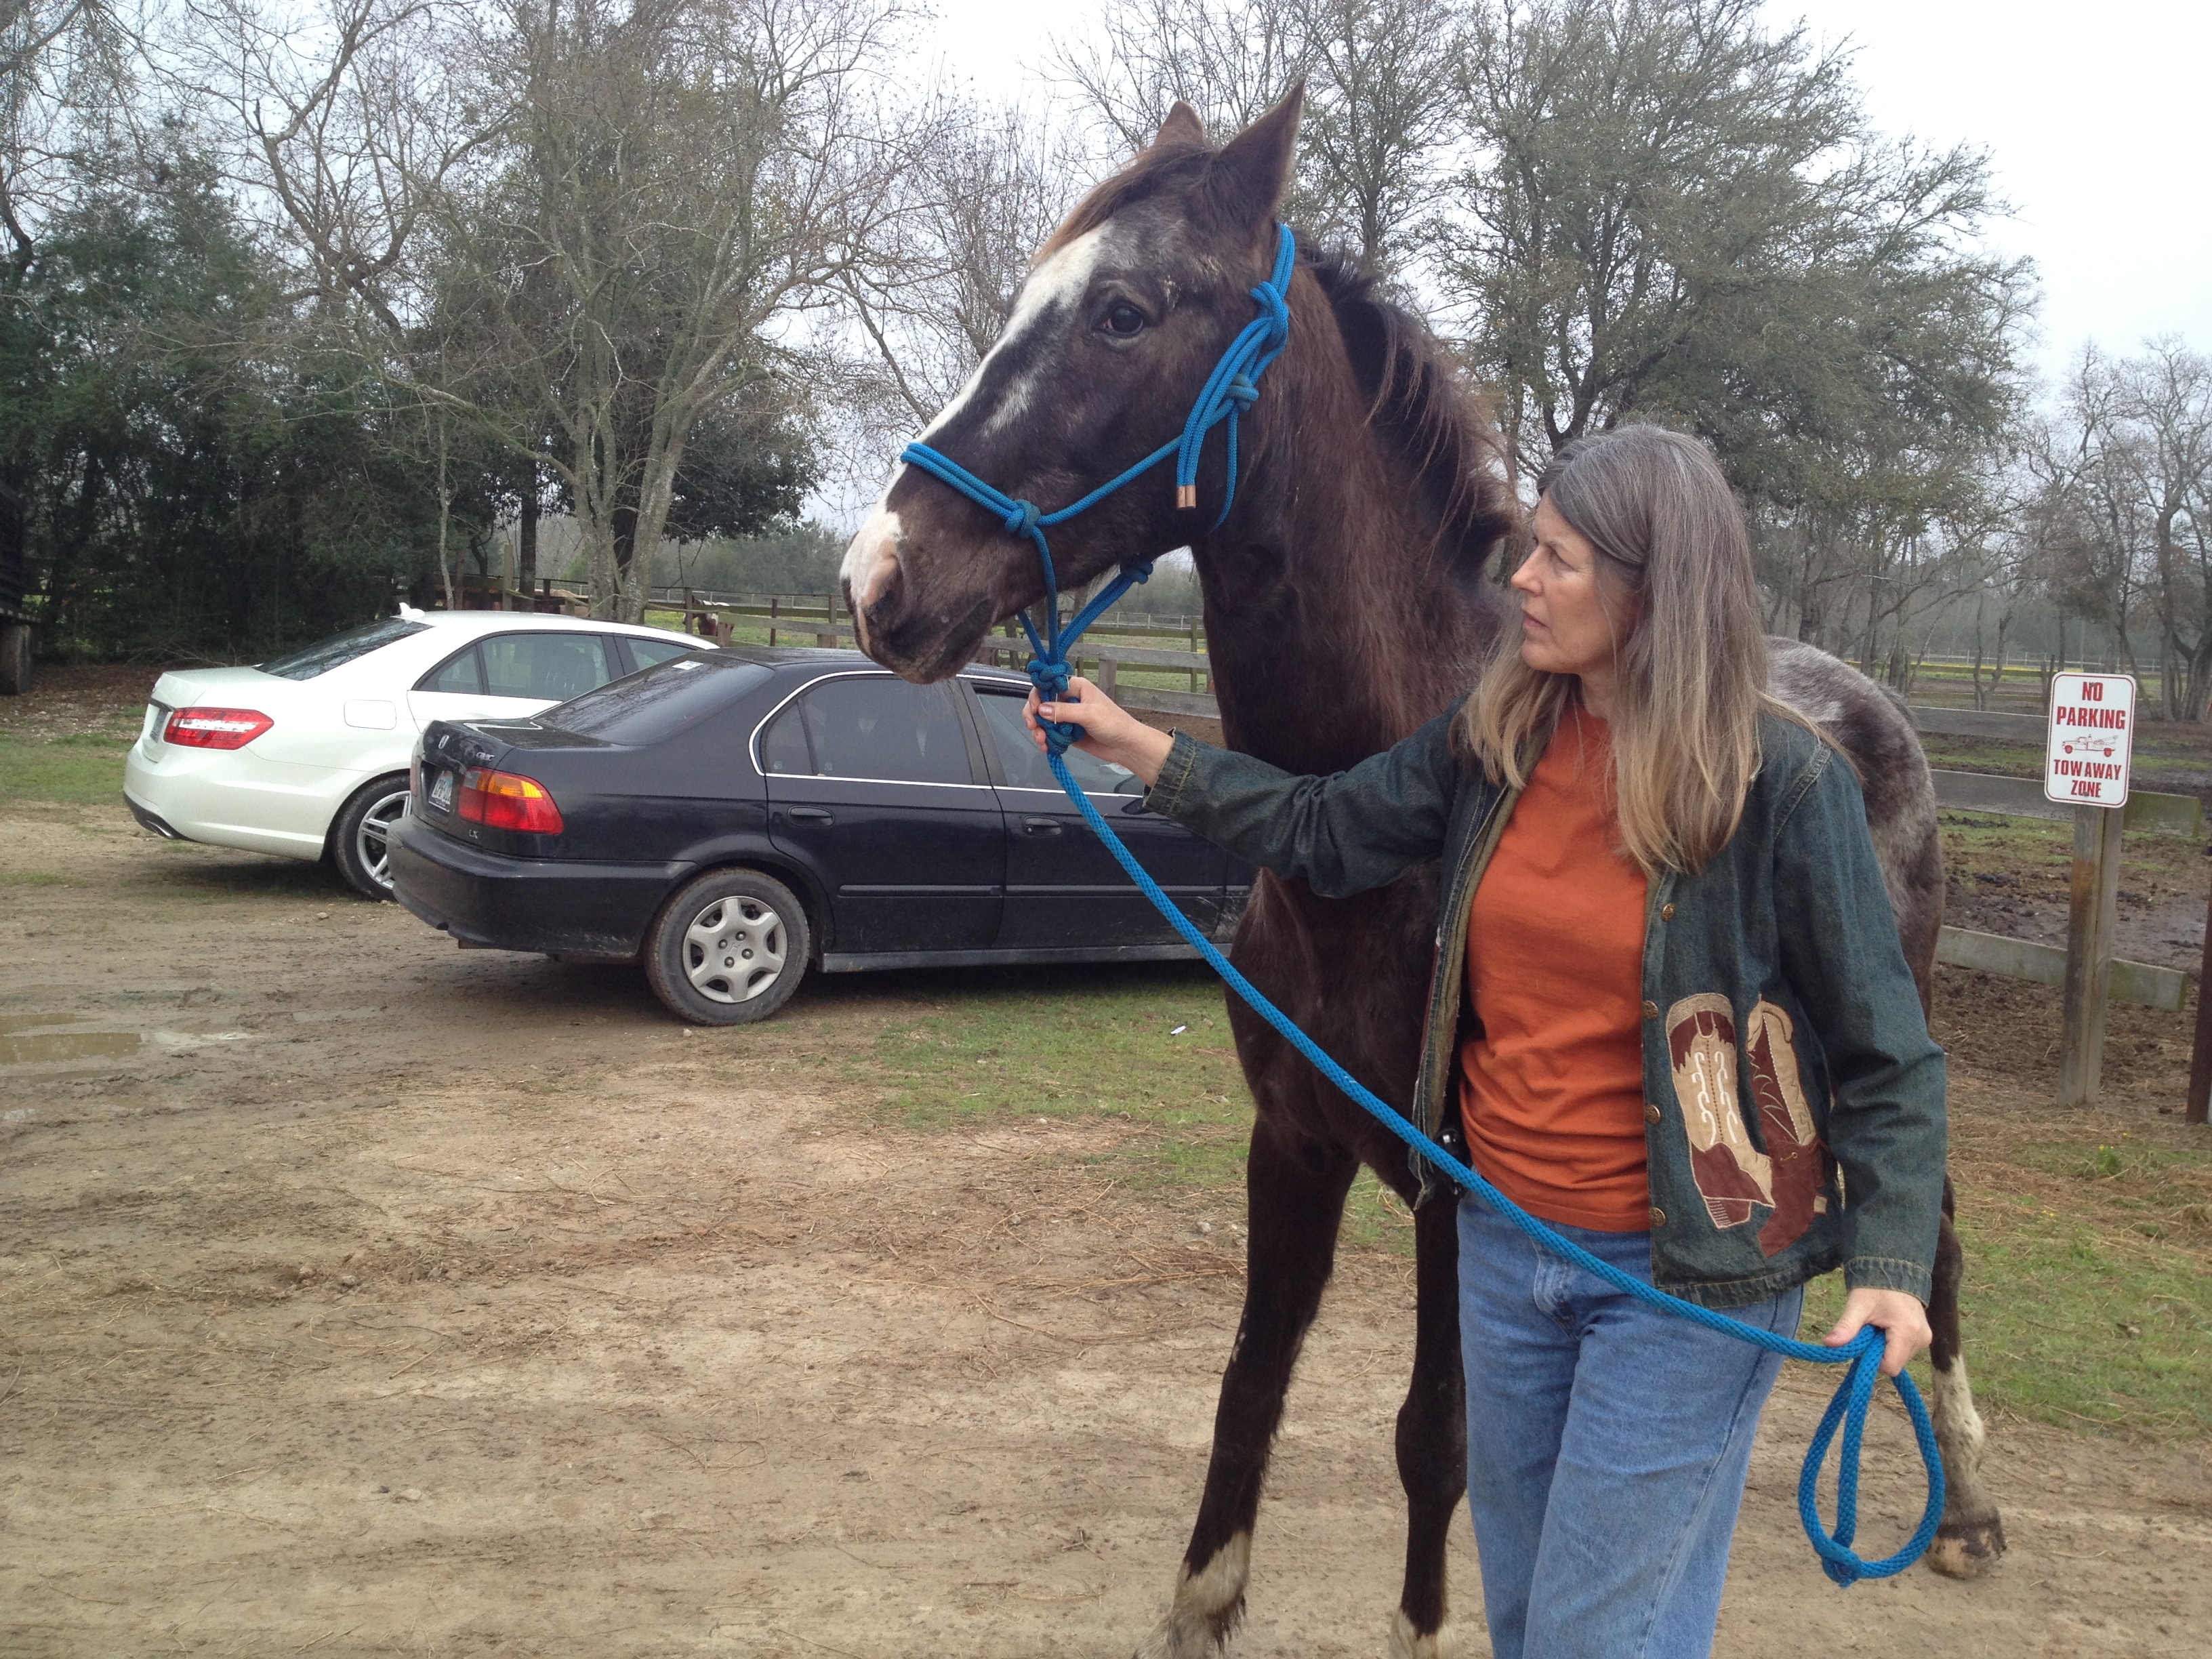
(656, 703)
(340, 649)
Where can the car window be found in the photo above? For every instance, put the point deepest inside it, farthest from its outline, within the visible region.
(552, 666)
(655, 704)
(783, 746)
(874, 727)
(459, 673)
(1024, 763)
(648, 652)
(340, 649)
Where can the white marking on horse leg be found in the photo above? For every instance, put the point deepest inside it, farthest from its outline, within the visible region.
(1406, 1643)
(1206, 1605)
(1973, 1535)
(1957, 1423)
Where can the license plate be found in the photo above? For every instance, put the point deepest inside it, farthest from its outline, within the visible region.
(442, 791)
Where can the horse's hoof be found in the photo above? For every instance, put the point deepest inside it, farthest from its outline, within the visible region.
(1406, 1643)
(1967, 1549)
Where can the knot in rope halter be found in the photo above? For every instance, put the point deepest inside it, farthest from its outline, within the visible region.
(1232, 388)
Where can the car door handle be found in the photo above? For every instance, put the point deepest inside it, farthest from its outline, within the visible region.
(1041, 826)
(812, 814)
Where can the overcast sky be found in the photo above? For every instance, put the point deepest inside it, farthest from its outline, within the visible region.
(2084, 110)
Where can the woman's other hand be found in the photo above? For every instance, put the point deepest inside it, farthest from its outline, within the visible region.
(1109, 732)
(1903, 1320)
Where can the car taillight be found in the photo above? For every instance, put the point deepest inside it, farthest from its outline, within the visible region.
(506, 800)
(214, 728)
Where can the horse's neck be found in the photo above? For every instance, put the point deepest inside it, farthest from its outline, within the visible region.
(1332, 629)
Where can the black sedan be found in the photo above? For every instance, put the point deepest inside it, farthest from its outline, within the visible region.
(734, 817)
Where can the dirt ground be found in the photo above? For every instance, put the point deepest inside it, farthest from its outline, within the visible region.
(361, 1296)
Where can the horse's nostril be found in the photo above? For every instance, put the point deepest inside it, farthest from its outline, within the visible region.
(886, 592)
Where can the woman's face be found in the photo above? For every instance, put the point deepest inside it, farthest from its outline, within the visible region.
(1565, 628)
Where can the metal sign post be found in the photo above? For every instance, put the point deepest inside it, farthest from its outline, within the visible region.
(2091, 740)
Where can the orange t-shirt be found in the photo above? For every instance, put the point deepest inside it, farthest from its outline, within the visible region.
(1552, 1091)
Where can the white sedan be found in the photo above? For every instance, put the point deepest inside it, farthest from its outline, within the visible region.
(306, 755)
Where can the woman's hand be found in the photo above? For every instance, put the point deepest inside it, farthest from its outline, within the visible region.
(1899, 1314)
(1109, 732)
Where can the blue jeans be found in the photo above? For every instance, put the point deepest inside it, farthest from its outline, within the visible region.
(1607, 1446)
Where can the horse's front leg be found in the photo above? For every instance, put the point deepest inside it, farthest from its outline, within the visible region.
(1295, 1189)
(1432, 1432)
(1972, 1536)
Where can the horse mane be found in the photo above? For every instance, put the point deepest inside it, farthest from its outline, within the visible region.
(1423, 412)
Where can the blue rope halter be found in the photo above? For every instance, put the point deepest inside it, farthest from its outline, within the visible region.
(1230, 390)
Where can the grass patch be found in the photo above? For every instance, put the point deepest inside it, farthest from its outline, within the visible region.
(2085, 1325)
(2089, 1263)
(75, 769)
(1146, 1048)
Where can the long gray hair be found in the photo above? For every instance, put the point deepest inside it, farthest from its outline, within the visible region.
(1674, 554)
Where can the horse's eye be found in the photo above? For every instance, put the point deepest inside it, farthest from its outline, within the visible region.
(1124, 318)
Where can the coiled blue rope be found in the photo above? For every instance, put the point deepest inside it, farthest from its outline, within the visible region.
(1230, 390)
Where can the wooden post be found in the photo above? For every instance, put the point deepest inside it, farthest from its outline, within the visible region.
(2095, 898)
(771, 621)
(2200, 1058)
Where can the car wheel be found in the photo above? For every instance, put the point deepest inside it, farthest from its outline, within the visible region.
(729, 949)
(360, 838)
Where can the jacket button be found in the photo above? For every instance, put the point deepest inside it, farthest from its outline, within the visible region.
(1651, 1011)
(1650, 1113)
(1666, 912)
(1658, 1217)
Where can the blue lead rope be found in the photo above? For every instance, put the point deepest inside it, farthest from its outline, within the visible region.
(1862, 1353)
(1230, 390)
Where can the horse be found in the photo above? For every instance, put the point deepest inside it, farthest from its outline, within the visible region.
(1347, 603)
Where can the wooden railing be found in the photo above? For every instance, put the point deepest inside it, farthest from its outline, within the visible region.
(1107, 649)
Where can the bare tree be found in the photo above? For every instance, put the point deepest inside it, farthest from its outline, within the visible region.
(2163, 403)
(65, 70)
(606, 212)
(682, 177)
(985, 190)
(1378, 75)
(1380, 81)
(1671, 213)
(1228, 61)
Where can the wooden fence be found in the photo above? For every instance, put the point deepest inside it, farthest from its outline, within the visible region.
(1130, 660)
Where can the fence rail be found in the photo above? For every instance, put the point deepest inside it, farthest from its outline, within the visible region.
(2086, 969)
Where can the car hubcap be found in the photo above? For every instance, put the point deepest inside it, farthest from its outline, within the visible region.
(734, 949)
(374, 842)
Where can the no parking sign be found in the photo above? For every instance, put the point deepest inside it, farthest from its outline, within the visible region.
(2093, 727)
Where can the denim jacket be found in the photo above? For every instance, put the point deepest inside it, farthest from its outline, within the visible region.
(1794, 1117)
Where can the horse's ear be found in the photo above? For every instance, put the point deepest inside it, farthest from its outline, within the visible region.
(1182, 126)
(1248, 175)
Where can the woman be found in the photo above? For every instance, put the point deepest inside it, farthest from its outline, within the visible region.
(1689, 1039)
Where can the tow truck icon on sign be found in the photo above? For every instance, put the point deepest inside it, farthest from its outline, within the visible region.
(2089, 748)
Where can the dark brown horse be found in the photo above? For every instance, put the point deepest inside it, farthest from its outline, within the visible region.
(1346, 603)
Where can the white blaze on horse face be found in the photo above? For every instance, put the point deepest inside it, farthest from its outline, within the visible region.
(1060, 282)
(871, 557)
